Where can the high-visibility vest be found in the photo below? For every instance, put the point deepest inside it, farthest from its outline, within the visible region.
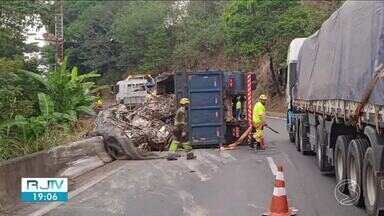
(258, 115)
(238, 105)
(181, 117)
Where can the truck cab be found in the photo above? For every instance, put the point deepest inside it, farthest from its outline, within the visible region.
(131, 91)
(292, 63)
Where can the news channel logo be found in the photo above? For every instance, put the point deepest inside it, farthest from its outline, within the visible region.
(347, 192)
(44, 189)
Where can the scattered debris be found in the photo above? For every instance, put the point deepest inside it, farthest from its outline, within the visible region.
(136, 134)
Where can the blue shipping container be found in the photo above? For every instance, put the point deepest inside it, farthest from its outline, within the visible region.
(206, 120)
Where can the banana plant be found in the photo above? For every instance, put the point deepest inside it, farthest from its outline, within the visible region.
(67, 93)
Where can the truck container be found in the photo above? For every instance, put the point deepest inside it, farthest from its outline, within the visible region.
(335, 94)
(211, 114)
(206, 118)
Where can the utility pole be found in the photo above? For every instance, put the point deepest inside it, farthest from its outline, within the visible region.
(59, 30)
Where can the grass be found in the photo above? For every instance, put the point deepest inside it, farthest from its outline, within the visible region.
(11, 148)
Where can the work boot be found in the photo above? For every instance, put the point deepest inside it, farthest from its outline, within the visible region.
(172, 157)
(261, 147)
(190, 156)
(251, 145)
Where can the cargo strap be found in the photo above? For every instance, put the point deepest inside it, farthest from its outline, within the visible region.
(368, 92)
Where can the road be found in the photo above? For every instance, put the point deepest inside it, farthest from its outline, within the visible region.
(237, 182)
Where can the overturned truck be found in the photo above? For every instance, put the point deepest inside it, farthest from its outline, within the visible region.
(336, 100)
(138, 133)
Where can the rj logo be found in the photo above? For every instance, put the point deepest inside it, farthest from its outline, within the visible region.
(48, 185)
(44, 189)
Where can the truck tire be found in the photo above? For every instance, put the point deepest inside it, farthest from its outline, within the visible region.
(355, 158)
(297, 134)
(112, 148)
(341, 150)
(321, 156)
(292, 137)
(370, 184)
(304, 140)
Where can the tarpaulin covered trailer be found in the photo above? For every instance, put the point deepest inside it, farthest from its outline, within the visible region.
(339, 60)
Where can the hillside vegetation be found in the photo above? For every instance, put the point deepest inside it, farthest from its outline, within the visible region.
(38, 109)
(116, 37)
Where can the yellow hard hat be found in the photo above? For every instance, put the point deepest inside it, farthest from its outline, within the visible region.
(184, 101)
(99, 103)
(263, 97)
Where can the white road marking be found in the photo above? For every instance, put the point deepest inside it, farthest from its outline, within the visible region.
(45, 209)
(212, 156)
(219, 158)
(272, 165)
(227, 155)
(164, 171)
(287, 158)
(190, 208)
(279, 118)
(255, 206)
(193, 166)
(200, 156)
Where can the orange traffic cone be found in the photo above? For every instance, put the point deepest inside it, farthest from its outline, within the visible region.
(279, 204)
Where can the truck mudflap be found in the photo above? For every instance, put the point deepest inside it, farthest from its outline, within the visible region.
(380, 192)
(379, 160)
(291, 119)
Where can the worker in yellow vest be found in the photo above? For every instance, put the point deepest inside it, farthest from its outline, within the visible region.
(258, 121)
(180, 134)
(238, 108)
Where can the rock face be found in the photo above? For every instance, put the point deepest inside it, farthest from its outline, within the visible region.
(133, 135)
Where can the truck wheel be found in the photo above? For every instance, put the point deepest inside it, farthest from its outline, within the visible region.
(321, 156)
(370, 183)
(355, 158)
(304, 140)
(113, 148)
(341, 149)
(292, 137)
(297, 134)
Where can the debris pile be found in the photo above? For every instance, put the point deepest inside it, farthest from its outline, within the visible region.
(134, 134)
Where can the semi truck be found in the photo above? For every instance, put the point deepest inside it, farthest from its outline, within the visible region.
(335, 97)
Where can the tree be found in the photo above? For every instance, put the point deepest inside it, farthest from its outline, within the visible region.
(142, 30)
(198, 32)
(88, 36)
(14, 17)
(265, 28)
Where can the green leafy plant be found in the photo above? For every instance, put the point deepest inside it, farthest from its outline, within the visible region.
(66, 93)
(57, 98)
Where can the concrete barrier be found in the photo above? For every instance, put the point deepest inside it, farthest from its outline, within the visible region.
(59, 161)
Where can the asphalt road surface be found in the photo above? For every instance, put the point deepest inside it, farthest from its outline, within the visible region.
(236, 182)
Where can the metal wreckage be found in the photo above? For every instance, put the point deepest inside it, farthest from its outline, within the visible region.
(136, 134)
